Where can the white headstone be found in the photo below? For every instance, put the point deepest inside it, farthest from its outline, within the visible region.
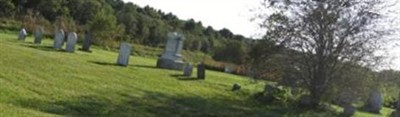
(124, 54)
(59, 38)
(72, 39)
(171, 58)
(22, 34)
(173, 47)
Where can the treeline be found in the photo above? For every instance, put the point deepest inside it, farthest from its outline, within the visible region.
(111, 21)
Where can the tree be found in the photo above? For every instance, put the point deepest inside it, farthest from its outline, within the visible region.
(104, 28)
(84, 11)
(7, 8)
(226, 33)
(233, 51)
(324, 35)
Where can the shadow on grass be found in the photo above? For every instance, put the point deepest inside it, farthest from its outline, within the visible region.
(104, 63)
(147, 66)
(183, 77)
(150, 104)
(365, 110)
(43, 48)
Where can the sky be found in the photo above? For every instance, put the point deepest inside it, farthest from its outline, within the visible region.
(235, 15)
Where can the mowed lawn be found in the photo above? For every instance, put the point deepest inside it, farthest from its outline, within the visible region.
(36, 80)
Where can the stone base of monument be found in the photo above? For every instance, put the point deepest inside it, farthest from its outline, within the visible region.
(170, 64)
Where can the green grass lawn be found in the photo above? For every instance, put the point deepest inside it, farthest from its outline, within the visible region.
(36, 80)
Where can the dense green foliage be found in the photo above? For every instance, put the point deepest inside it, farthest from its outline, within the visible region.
(111, 21)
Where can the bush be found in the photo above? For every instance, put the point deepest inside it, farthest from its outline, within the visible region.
(275, 94)
(390, 102)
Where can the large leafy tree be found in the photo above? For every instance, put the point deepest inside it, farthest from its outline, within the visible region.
(6, 7)
(327, 36)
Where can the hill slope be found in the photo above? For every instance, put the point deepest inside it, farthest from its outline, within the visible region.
(35, 80)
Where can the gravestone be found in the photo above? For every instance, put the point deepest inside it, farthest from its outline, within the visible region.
(236, 87)
(22, 34)
(38, 35)
(348, 111)
(374, 102)
(87, 42)
(201, 71)
(188, 70)
(124, 54)
(58, 39)
(171, 58)
(72, 39)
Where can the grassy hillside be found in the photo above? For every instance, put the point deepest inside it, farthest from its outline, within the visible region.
(35, 80)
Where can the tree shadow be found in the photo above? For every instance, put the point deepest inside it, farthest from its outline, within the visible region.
(76, 107)
(147, 66)
(104, 63)
(150, 104)
(183, 77)
(43, 48)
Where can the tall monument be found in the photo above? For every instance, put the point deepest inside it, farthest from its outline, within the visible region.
(172, 58)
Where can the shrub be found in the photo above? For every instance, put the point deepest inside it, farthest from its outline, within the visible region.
(275, 94)
(390, 102)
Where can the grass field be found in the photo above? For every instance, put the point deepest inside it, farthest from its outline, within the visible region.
(36, 80)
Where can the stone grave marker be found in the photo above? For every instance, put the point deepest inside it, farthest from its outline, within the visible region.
(348, 111)
(38, 35)
(172, 58)
(71, 42)
(124, 54)
(188, 70)
(58, 39)
(201, 71)
(236, 87)
(374, 102)
(22, 34)
(87, 42)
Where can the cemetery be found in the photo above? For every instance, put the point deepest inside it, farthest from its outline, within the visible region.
(138, 69)
(82, 79)
(114, 58)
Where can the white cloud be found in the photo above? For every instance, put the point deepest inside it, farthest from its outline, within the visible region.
(232, 14)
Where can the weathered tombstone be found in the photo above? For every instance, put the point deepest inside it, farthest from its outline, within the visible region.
(188, 70)
(236, 87)
(38, 35)
(58, 39)
(171, 58)
(201, 71)
(72, 39)
(124, 54)
(22, 34)
(374, 103)
(348, 111)
(87, 42)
